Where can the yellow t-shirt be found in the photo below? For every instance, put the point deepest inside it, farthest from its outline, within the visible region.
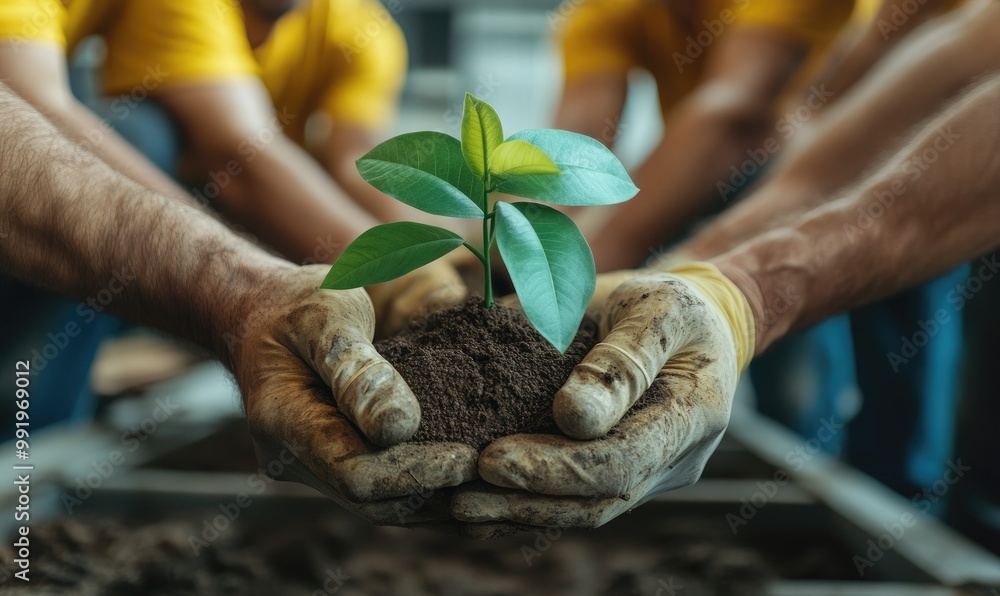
(619, 35)
(346, 58)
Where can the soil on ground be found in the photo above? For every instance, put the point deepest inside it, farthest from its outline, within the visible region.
(484, 373)
(335, 554)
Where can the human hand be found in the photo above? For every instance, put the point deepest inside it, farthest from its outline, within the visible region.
(320, 402)
(691, 331)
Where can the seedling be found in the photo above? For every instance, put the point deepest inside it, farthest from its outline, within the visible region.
(547, 257)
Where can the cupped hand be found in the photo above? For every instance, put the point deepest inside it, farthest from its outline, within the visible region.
(327, 410)
(689, 331)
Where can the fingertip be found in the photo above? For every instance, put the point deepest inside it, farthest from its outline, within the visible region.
(583, 411)
(476, 506)
(394, 423)
(380, 403)
(501, 464)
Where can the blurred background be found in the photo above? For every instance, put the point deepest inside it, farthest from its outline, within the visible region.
(167, 452)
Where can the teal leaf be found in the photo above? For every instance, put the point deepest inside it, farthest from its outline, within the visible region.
(551, 266)
(425, 170)
(389, 251)
(591, 174)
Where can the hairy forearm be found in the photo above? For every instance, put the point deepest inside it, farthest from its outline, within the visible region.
(913, 83)
(76, 226)
(38, 73)
(899, 228)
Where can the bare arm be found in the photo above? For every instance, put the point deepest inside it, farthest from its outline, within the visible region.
(858, 50)
(37, 72)
(707, 132)
(268, 184)
(911, 83)
(593, 106)
(833, 259)
(74, 223)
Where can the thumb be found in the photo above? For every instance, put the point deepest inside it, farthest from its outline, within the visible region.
(618, 370)
(367, 389)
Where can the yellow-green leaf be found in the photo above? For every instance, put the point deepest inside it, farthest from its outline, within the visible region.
(482, 133)
(520, 158)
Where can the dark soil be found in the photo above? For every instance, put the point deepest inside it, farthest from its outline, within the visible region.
(295, 558)
(481, 374)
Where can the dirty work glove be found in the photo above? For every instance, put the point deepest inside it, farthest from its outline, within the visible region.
(320, 402)
(415, 295)
(692, 331)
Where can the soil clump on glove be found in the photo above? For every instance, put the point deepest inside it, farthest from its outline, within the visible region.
(481, 374)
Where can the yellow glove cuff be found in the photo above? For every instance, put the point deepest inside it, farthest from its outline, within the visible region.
(730, 302)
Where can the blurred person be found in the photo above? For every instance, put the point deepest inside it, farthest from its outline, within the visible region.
(909, 84)
(724, 71)
(241, 81)
(733, 109)
(695, 327)
(318, 398)
(720, 67)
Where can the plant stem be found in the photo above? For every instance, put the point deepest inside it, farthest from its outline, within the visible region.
(487, 248)
(474, 250)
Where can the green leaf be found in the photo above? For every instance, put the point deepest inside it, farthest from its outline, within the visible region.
(518, 158)
(388, 251)
(481, 133)
(591, 174)
(425, 170)
(551, 266)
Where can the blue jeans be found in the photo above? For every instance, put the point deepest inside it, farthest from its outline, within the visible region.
(901, 357)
